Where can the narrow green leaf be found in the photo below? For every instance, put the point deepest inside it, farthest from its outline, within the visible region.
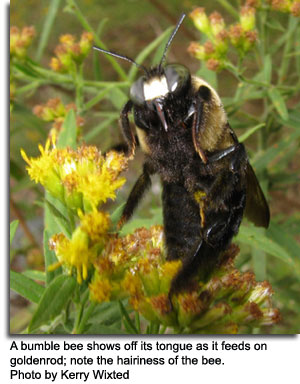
(250, 132)
(53, 301)
(117, 97)
(97, 98)
(94, 132)
(61, 220)
(116, 215)
(50, 259)
(267, 70)
(12, 230)
(35, 275)
(293, 121)
(106, 314)
(47, 26)
(277, 234)
(130, 324)
(68, 134)
(259, 264)
(278, 102)
(26, 287)
(252, 236)
(263, 159)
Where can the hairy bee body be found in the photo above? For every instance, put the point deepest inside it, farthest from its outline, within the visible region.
(203, 203)
(208, 183)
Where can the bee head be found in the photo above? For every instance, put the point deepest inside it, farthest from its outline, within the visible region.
(158, 83)
(171, 79)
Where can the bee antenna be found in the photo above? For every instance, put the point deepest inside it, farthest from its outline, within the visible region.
(123, 57)
(171, 39)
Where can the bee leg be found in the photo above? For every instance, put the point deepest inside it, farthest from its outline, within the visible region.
(199, 106)
(126, 129)
(202, 260)
(136, 194)
(237, 155)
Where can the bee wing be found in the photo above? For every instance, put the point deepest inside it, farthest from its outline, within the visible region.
(257, 209)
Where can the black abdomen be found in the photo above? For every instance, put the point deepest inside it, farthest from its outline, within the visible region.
(181, 221)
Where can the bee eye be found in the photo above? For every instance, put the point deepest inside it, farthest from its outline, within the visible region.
(137, 92)
(177, 77)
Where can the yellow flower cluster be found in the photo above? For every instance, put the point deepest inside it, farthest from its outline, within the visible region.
(214, 51)
(71, 52)
(80, 179)
(55, 111)
(135, 267)
(86, 242)
(20, 41)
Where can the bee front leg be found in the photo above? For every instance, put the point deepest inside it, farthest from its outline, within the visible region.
(126, 129)
(200, 111)
(235, 153)
(136, 194)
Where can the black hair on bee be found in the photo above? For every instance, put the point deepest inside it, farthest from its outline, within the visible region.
(208, 182)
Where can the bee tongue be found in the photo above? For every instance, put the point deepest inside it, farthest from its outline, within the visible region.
(161, 114)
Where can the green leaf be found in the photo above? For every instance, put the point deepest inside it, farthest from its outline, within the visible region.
(68, 134)
(53, 301)
(12, 230)
(250, 132)
(94, 132)
(50, 259)
(35, 275)
(253, 236)
(293, 121)
(106, 314)
(26, 287)
(60, 219)
(259, 264)
(117, 97)
(47, 26)
(278, 102)
(263, 159)
(116, 215)
(267, 70)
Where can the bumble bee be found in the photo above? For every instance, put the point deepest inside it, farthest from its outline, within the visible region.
(208, 183)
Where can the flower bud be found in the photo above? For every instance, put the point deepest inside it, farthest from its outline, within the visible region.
(295, 9)
(247, 18)
(217, 23)
(197, 50)
(86, 43)
(201, 20)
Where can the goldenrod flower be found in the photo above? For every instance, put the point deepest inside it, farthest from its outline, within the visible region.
(81, 179)
(200, 20)
(135, 266)
(70, 53)
(247, 18)
(75, 253)
(20, 41)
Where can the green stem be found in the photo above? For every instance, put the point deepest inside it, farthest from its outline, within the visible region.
(137, 322)
(80, 311)
(73, 8)
(229, 8)
(85, 318)
(129, 322)
(78, 79)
